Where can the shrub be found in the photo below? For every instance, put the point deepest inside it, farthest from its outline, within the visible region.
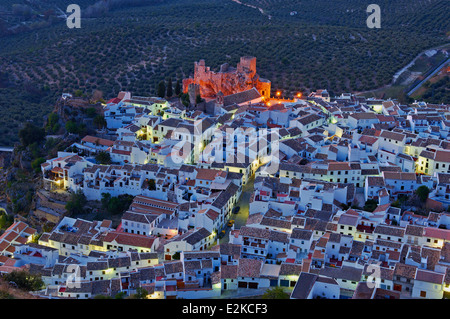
(36, 164)
(422, 192)
(103, 158)
(370, 205)
(275, 293)
(31, 134)
(76, 204)
(24, 280)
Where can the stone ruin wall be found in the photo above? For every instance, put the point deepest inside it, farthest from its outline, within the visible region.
(229, 81)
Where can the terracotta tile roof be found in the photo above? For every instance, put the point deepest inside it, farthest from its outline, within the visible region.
(290, 269)
(442, 156)
(229, 271)
(390, 230)
(392, 135)
(254, 232)
(375, 181)
(298, 233)
(173, 267)
(429, 276)
(345, 272)
(347, 219)
(97, 140)
(129, 239)
(399, 176)
(249, 267)
(404, 270)
(437, 233)
(414, 230)
(230, 250)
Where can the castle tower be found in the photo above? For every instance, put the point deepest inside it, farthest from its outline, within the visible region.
(247, 64)
(219, 99)
(218, 103)
(228, 80)
(193, 91)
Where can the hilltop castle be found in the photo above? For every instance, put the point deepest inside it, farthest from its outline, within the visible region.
(228, 80)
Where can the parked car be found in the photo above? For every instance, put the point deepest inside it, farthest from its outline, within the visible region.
(222, 234)
(230, 223)
(236, 210)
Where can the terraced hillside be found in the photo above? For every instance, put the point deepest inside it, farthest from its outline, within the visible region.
(325, 45)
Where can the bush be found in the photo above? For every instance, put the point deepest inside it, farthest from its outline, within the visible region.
(275, 293)
(103, 158)
(52, 123)
(31, 134)
(76, 203)
(141, 293)
(120, 295)
(116, 205)
(72, 127)
(422, 192)
(6, 295)
(5, 219)
(91, 112)
(370, 205)
(36, 164)
(151, 184)
(99, 121)
(176, 256)
(24, 280)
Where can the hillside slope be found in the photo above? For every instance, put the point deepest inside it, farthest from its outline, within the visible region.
(325, 45)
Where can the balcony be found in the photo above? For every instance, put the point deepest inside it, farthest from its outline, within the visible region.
(365, 229)
(334, 263)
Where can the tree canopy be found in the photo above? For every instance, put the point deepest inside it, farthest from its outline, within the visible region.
(275, 293)
(116, 205)
(169, 88)
(31, 134)
(161, 89)
(422, 192)
(103, 158)
(76, 204)
(24, 280)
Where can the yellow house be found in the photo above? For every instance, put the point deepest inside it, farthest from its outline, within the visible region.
(432, 161)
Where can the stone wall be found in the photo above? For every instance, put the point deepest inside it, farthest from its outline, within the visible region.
(229, 80)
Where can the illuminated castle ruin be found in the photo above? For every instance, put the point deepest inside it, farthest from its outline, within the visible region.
(228, 80)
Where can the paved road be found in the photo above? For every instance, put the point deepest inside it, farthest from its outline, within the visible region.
(359, 196)
(244, 203)
(6, 149)
(429, 77)
(399, 72)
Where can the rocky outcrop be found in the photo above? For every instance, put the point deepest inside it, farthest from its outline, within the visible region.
(227, 80)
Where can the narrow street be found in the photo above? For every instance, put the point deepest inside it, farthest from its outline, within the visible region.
(244, 203)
